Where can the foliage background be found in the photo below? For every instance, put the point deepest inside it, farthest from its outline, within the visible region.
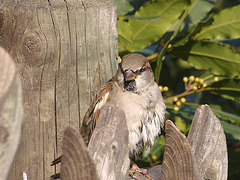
(195, 39)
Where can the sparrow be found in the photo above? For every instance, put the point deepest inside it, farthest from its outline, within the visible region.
(134, 90)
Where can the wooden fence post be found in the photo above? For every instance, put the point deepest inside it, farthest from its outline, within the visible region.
(202, 155)
(11, 112)
(208, 142)
(108, 146)
(64, 50)
(107, 157)
(75, 161)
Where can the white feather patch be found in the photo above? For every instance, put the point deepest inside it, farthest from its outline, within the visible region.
(100, 104)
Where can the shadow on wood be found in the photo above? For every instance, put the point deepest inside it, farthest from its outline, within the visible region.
(11, 112)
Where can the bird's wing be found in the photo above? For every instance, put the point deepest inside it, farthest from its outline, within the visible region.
(91, 116)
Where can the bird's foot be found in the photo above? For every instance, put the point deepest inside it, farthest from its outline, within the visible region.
(135, 168)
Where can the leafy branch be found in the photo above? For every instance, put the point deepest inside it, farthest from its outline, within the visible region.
(166, 45)
(200, 34)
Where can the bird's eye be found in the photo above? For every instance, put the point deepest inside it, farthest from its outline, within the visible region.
(142, 69)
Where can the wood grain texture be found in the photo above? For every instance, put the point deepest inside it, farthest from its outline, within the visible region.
(178, 160)
(64, 50)
(208, 144)
(109, 144)
(11, 112)
(76, 162)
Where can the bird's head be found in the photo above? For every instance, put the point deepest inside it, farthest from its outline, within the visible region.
(134, 72)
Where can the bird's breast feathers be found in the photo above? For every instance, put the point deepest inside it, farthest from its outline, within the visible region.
(144, 115)
(144, 112)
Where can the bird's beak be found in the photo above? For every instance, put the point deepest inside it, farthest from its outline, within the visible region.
(129, 75)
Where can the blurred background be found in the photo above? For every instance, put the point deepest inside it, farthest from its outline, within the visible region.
(193, 47)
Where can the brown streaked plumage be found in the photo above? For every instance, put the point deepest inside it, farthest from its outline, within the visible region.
(92, 114)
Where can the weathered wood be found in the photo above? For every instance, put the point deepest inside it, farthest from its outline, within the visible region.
(208, 144)
(76, 162)
(64, 50)
(204, 157)
(178, 160)
(11, 112)
(109, 144)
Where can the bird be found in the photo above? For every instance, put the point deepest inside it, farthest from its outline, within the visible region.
(134, 90)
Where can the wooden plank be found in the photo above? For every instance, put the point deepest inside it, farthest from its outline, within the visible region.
(76, 162)
(63, 56)
(109, 144)
(11, 112)
(208, 144)
(178, 160)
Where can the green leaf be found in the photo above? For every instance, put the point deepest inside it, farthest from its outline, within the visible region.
(158, 148)
(219, 59)
(153, 18)
(166, 9)
(193, 19)
(231, 129)
(225, 115)
(135, 34)
(123, 7)
(180, 124)
(226, 25)
(196, 14)
(218, 112)
(185, 112)
(209, 77)
(228, 88)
